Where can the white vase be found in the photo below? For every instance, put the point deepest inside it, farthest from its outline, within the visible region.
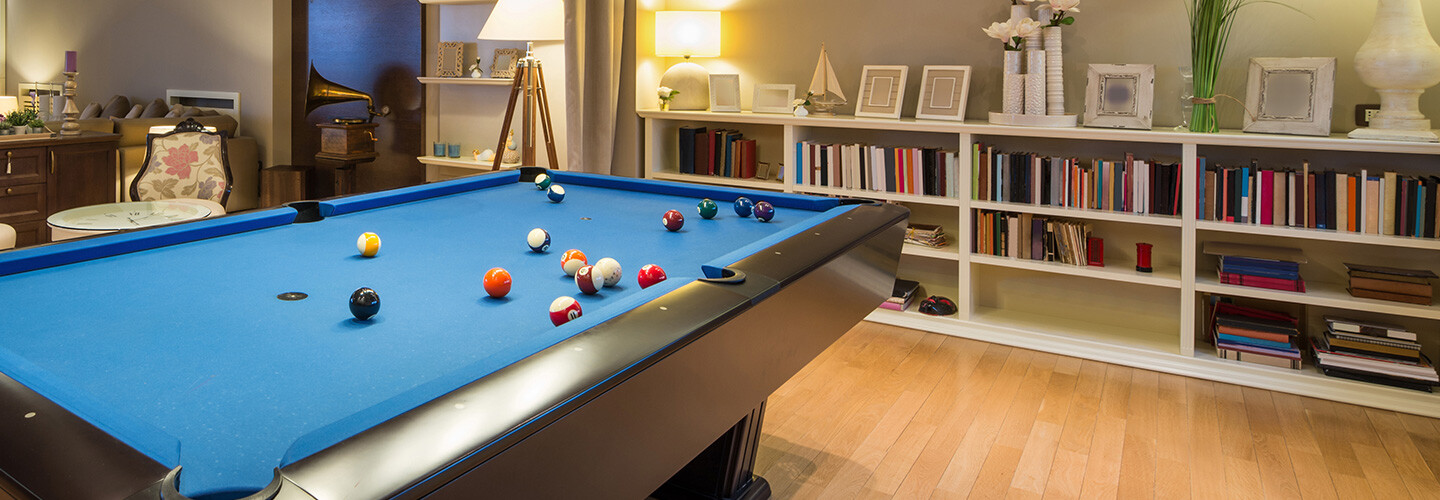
(1035, 62)
(1012, 62)
(1013, 94)
(1054, 73)
(1035, 94)
(1400, 60)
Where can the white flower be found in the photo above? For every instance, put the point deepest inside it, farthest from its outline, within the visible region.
(1000, 31)
(1027, 26)
(797, 102)
(664, 92)
(1065, 5)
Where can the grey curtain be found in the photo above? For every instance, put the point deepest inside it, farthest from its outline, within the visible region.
(602, 130)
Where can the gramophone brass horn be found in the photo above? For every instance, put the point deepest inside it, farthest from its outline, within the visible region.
(321, 92)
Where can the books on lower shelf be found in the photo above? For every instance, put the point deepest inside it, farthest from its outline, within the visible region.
(905, 170)
(1274, 268)
(1383, 203)
(1372, 355)
(929, 235)
(1032, 237)
(718, 152)
(1255, 335)
(1131, 185)
(1390, 283)
(903, 294)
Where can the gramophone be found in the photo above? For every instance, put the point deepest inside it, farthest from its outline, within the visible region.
(348, 141)
(322, 92)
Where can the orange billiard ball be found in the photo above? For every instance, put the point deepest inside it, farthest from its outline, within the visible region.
(497, 282)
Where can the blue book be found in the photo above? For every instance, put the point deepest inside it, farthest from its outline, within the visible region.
(1261, 272)
(1264, 263)
(1245, 201)
(1237, 339)
(799, 158)
(1419, 208)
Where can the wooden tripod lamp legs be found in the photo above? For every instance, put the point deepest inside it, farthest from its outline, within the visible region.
(530, 79)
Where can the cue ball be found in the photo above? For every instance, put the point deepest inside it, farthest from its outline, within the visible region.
(707, 208)
(497, 282)
(556, 194)
(673, 220)
(364, 303)
(764, 211)
(539, 240)
(564, 309)
(743, 206)
(610, 269)
(588, 280)
(368, 244)
(542, 182)
(650, 275)
(572, 260)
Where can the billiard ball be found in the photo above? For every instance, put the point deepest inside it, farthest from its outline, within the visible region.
(539, 240)
(589, 280)
(673, 220)
(564, 309)
(572, 260)
(650, 275)
(497, 282)
(364, 303)
(542, 181)
(764, 211)
(556, 194)
(610, 269)
(707, 208)
(743, 206)
(368, 244)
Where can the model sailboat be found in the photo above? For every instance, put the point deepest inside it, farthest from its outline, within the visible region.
(825, 92)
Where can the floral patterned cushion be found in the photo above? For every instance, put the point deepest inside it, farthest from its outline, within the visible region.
(184, 165)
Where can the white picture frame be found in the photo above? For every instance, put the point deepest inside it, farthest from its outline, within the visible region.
(773, 98)
(1120, 96)
(882, 91)
(1290, 95)
(725, 93)
(944, 92)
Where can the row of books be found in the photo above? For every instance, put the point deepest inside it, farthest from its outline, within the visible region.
(1373, 352)
(1388, 203)
(923, 171)
(1390, 283)
(1032, 237)
(1134, 186)
(1274, 268)
(929, 235)
(1256, 335)
(719, 152)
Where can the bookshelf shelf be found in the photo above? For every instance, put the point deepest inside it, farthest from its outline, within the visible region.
(951, 252)
(878, 195)
(1077, 213)
(1162, 278)
(1319, 294)
(1319, 234)
(719, 181)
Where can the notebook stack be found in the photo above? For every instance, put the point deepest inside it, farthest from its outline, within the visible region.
(1256, 336)
(930, 235)
(1275, 268)
(904, 293)
(1374, 352)
(1389, 283)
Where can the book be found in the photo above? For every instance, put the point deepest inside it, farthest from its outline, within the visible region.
(687, 148)
(746, 158)
(1391, 286)
(1393, 297)
(1259, 359)
(1372, 328)
(1254, 251)
(1262, 282)
(1394, 271)
(1374, 379)
(1372, 346)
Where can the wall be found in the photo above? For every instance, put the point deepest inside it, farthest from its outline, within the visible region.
(768, 41)
(140, 48)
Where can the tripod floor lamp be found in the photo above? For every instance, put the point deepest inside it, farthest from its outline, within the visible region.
(529, 21)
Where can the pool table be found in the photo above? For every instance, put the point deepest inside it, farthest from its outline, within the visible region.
(161, 363)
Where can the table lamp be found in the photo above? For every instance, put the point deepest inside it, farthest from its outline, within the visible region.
(529, 21)
(8, 104)
(687, 34)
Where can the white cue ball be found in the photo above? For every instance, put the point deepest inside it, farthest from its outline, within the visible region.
(610, 269)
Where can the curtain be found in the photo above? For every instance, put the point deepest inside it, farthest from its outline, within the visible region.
(602, 130)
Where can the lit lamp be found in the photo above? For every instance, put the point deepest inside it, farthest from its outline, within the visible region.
(8, 104)
(529, 21)
(687, 34)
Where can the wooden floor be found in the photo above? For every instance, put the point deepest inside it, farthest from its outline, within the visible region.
(893, 413)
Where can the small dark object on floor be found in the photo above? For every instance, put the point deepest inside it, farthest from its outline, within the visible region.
(936, 305)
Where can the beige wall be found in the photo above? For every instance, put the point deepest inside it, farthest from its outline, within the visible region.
(140, 48)
(778, 41)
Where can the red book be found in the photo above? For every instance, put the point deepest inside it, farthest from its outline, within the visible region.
(1351, 200)
(1311, 220)
(710, 158)
(747, 158)
(1254, 334)
(1225, 191)
(1263, 282)
(1267, 186)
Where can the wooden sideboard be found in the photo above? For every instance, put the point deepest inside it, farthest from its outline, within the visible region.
(43, 175)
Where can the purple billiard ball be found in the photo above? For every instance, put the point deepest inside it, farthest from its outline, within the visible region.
(764, 211)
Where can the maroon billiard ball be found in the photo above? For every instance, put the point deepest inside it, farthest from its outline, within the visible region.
(673, 220)
(589, 280)
(564, 309)
(650, 275)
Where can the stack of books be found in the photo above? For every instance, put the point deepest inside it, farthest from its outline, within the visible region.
(1255, 335)
(718, 152)
(930, 235)
(1385, 203)
(1032, 237)
(903, 294)
(1275, 268)
(1129, 185)
(1373, 352)
(1389, 283)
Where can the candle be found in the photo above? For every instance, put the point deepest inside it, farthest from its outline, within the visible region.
(71, 61)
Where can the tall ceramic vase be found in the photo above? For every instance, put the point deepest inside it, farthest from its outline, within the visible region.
(1012, 97)
(1054, 73)
(1035, 82)
(1400, 60)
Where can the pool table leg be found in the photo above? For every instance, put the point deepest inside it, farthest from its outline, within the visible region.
(726, 469)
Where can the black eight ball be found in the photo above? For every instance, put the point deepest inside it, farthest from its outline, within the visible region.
(364, 303)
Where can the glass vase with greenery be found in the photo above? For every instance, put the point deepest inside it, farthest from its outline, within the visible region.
(1210, 23)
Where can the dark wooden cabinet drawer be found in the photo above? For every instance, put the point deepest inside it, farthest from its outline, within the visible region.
(22, 166)
(22, 203)
(34, 232)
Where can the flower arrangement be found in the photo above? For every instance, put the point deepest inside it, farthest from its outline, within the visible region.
(1210, 22)
(666, 94)
(475, 70)
(1059, 10)
(1013, 32)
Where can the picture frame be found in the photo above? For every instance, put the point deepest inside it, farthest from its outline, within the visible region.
(762, 171)
(450, 59)
(944, 92)
(1120, 96)
(503, 66)
(882, 91)
(773, 98)
(1290, 95)
(725, 93)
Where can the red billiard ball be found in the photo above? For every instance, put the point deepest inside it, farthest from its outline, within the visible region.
(589, 280)
(497, 282)
(650, 275)
(572, 260)
(564, 309)
(673, 220)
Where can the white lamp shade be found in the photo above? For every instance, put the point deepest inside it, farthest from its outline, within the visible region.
(525, 20)
(8, 104)
(687, 33)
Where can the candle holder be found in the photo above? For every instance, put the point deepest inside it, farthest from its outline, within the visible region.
(1142, 257)
(72, 114)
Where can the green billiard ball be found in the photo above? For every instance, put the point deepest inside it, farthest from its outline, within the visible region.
(542, 182)
(707, 208)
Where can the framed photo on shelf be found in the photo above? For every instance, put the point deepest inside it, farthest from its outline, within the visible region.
(762, 171)
(504, 63)
(725, 93)
(944, 91)
(882, 91)
(1120, 96)
(1290, 95)
(451, 58)
(773, 98)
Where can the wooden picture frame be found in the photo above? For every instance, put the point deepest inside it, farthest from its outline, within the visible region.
(773, 98)
(725, 93)
(1290, 95)
(503, 66)
(1120, 96)
(450, 59)
(882, 91)
(944, 92)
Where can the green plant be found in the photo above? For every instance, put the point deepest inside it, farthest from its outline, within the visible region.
(37, 123)
(21, 118)
(1210, 23)
(5, 125)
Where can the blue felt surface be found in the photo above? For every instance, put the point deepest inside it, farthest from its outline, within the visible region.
(188, 343)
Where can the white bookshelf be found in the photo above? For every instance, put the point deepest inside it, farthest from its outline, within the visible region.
(1062, 308)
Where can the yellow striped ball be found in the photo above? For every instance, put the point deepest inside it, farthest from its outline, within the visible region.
(368, 244)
